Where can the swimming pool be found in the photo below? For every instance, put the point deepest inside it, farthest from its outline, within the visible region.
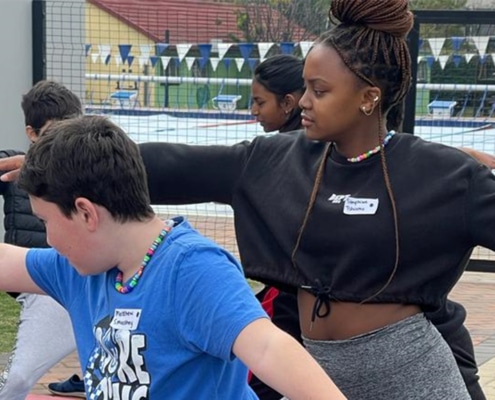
(222, 130)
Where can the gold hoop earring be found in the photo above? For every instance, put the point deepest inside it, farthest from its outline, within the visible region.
(367, 113)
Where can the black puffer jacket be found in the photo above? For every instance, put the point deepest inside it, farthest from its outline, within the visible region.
(22, 228)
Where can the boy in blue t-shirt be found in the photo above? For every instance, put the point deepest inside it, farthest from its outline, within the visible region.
(158, 310)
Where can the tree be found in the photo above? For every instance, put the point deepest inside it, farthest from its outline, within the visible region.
(281, 20)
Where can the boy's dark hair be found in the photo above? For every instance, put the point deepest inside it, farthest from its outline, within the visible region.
(88, 157)
(48, 100)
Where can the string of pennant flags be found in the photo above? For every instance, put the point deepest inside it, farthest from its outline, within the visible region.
(150, 54)
(103, 53)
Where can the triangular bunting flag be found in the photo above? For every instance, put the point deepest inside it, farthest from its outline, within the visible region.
(287, 47)
(94, 57)
(263, 48)
(130, 60)
(305, 46)
(456, 58)
(105, 58)
(87, 47)
(457, 42)
(160, 48)
(430, 60)
(154, 60)
(143, 60)
(481, 43)
(252, 63)
(227, 61)
(205, 51)
(117, 60)
(482, 59)
(240, 63)
(246, 49)
(443, 61)
(214, 62)
(436, 45)
(182, 50)
(222, 49)
(420, 43)
(145, 50)
(468, 57)
(104, 49)
(165, 62)
(190, 62)
(420, 58)
(124, 50)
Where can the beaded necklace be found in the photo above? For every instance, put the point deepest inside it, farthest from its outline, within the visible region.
(375, 150)
(133, 281)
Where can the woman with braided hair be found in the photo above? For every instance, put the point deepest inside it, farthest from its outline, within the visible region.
(371, 228)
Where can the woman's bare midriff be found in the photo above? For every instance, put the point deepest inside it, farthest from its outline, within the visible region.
(347, 320)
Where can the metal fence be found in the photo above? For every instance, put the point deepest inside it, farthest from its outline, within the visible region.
(181, 71)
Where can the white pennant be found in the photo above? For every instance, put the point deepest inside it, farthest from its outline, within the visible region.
(443, 61)
(420, 58)
(305, 46)
(190, 62)
(104, 49)
(182, 50)
(118, 60)
(481, 43)
(214, 62)
(468, 57)
(94, 57)
(222, 49)
(143, 60)
(263, 48)
(145, 49)
(165, 61)
(436, 45)
(240, 63)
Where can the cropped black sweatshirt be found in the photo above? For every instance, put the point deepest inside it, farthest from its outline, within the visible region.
(445, 203)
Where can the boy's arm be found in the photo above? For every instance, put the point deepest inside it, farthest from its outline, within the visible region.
(14, 276)
(282, 363)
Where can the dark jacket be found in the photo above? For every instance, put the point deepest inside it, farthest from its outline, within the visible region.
(22, 228)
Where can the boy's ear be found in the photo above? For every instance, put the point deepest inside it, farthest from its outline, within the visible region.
(87, 213)
(31, 134)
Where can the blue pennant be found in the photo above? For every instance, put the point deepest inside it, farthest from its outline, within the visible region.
(124, 50)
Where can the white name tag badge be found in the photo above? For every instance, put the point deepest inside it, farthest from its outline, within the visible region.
(126, 318)
(355, 206)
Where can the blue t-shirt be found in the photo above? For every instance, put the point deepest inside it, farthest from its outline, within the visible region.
(172, 336)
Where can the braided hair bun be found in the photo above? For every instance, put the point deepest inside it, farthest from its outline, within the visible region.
(388, 16)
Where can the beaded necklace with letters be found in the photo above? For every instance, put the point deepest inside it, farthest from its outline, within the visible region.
(134, 280)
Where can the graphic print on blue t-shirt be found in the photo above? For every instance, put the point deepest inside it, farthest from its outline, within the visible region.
(117, 367)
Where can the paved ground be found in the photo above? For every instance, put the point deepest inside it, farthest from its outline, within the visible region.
(475, 290)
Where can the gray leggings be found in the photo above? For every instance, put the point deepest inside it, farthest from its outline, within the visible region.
(44, 338)
(408, 360)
